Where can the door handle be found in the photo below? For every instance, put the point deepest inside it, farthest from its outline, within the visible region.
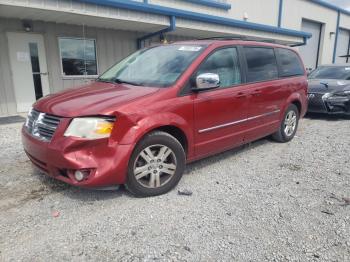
(256, 93)
(241, 95)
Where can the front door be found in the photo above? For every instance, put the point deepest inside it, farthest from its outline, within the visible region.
(28, 68)
(220, 114)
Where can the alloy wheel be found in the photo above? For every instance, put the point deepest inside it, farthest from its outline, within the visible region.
(155, 166)
(290, 123)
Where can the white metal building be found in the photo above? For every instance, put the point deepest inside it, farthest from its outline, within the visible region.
(49, 45)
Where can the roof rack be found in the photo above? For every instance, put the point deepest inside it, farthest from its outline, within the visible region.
(244, 38)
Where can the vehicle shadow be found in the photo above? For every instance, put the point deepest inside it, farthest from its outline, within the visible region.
(327, 117)
(53, 186)
(202, 163)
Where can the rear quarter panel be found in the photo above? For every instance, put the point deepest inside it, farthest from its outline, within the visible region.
(298, 93)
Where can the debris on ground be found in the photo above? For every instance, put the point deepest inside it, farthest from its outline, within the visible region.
(346, 200)
(184, 192)
(55, 213)
(327, 212)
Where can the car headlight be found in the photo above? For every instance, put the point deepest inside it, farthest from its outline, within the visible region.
(326, 95)
(90, 127)
(28, 116)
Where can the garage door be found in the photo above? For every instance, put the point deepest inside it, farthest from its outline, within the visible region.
(342, 46)
(310, 52)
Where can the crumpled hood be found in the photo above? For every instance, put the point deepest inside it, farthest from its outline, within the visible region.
(334, 85)
(97, 98)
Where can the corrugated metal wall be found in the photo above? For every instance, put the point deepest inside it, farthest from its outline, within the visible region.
(111, 45)
(343, 46)
(258, 11)
(7, 97)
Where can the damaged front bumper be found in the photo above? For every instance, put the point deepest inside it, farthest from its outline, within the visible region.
(329, 103)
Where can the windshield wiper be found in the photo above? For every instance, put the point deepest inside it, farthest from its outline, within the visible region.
(121, 81)
(104, 80)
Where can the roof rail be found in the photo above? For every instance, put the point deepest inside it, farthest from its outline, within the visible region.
(244, 38)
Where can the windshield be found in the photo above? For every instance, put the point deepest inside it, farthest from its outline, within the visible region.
(158, 66)
(331, 72)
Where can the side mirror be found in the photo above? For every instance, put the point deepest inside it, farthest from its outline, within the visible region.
(207, 81)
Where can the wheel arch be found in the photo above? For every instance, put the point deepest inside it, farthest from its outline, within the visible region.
(176, 132)
(297, 100)
(297, 103)
(171, 124)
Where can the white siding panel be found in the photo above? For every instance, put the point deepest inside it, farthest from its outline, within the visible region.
(112, 46)
(294, 11)
(258, 11)
(74, 7)
(310, 52)
(179, 4)
(345, 21)
(342, 46)
(201, 29)
(7, 99)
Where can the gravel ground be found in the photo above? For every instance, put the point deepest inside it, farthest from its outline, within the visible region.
(263, 201)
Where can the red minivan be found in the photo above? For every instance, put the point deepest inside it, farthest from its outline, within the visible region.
(147, 116)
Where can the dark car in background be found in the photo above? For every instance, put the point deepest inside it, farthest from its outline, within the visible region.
(329, 89)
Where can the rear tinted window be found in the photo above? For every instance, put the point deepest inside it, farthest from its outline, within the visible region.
(290, 64)
(262, 64)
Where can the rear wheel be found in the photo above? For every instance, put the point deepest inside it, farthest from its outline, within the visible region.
(156, 165)
(289, 125)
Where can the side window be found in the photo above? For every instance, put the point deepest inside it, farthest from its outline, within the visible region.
(262, 64)
(225, 63)
(290, 64)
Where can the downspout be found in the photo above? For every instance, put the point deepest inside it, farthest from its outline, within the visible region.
(280, 10)
(171, 28)
(336, 38)
(347, 58)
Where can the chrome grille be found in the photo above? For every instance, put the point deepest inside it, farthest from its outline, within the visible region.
(316, 101)
(41, 125)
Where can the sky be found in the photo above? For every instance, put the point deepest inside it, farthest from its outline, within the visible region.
(341, 3)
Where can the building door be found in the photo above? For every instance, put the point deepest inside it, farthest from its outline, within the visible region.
(28, 68)
(343, 47)
(310, 52)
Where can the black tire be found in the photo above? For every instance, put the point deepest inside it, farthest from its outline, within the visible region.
(281, 135)
(156, 138)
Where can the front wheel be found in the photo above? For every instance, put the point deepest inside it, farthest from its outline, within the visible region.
(156, 165)
(289, 125)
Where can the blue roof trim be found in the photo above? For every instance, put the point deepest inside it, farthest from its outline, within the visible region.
(194, 16)
(330, 6)
(211, 3)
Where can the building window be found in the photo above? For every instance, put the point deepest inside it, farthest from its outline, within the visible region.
(78, 56)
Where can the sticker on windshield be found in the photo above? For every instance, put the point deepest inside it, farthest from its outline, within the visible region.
(190, 48)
